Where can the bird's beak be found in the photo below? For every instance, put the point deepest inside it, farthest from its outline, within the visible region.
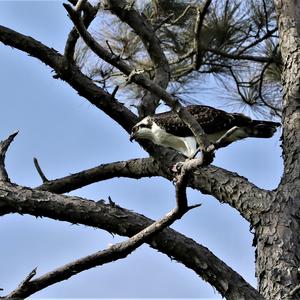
(132, 136)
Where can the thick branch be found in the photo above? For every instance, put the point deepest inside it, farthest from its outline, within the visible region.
(16, 199)
(71, 74)
(134, 168)
(113, 253)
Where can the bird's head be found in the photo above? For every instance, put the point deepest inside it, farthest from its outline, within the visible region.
(142, 130)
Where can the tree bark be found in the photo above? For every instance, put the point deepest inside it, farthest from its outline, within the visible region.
(278, 248)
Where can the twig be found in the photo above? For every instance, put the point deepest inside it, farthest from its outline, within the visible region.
(237, 56)
(165, 20)
(109, 47)
(145, 31)
(257, 41)
(266, 15)
(260, 87)
(39, 170)
(114, 92)
(185, 169)
(218, 144)
(182, 15)
(238, 83)
(201, 13)
(3, 149)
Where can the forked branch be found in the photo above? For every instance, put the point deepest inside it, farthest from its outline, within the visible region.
(113, 253)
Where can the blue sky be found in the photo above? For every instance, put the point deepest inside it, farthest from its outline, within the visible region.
(67, 135)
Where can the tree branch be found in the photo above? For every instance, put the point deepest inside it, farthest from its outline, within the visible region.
(144, 29)
(89, 15)
(16, 199)
(238, 56)
(3, 149)
(201, 13)
(113, 253)
(39, 170)
(134, 168)
(143, 81)
(257, 41)
(126, 119)
(70, 73)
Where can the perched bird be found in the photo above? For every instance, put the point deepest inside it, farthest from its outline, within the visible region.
(168, 130)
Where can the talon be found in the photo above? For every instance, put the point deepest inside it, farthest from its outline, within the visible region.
(177, 167)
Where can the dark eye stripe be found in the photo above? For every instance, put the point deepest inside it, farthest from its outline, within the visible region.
(144, 125)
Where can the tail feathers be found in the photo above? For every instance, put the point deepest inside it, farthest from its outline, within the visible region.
(262, 129)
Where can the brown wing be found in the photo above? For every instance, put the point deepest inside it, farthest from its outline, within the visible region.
(211, 120)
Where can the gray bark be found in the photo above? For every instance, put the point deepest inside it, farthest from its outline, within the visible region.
(278, 247)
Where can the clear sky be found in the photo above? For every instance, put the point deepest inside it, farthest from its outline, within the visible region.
(67, 135)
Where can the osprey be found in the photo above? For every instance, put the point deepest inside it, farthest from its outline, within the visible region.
(168, 130)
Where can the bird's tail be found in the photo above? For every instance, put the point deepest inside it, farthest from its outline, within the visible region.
(262, 129)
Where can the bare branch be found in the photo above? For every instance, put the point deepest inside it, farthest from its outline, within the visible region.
(16, 199)
(182, 15)
(89, 15)
(39, 170)
(134, 168)
(201, 13)
(72, 75)
(257, 41)
(3, 149)
(238, 56)
(144, 29)
(118, 251)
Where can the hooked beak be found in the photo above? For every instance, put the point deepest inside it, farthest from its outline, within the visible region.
(132, 136)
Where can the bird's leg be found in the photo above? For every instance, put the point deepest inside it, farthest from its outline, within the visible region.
(207, 155)
(190, 164)
(194, 154)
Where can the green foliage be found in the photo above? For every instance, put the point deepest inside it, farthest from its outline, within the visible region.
(232, 31)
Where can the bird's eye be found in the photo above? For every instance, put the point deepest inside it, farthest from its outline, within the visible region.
(134, 129)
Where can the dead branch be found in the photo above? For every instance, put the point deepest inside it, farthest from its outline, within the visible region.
(16, 199)
(3, 149)
(39, 170)
(134, 168)
(72, 75)
(201, 13)
(89, 14)
(144, 29)
(118, 251)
